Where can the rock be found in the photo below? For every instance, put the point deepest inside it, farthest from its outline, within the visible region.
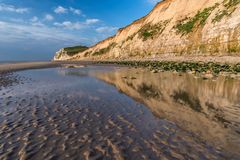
(162, 34)
(192, 72)
(154, 71)
(208, 76)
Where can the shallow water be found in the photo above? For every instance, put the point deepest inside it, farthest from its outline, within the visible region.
(117, 113)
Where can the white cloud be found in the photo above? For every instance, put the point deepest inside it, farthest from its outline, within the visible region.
(60, 10)
(11, 8)
(75, 11)
(34, 19)
(92, 21)
(106, 29)
(48, 17)
(38, 23)
(76, 25)
(13, 32)
(70, 25)
(153, 1)
(17, 20)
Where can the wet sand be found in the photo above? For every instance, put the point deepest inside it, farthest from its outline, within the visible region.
(6, 67)
(9, 67)
(84, 113)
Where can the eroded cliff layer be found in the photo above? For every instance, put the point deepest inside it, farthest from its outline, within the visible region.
(175, 27)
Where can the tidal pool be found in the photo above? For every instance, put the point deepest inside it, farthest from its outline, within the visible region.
(110, 112)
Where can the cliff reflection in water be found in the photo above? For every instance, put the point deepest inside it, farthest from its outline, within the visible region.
(209, 109)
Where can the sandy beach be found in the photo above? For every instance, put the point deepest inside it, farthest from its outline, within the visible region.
(214, 59)
(83, 111)
(26, 65)
(6, 67)
(97, 112)
(172, 58)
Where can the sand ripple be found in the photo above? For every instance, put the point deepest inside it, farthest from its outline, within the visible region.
(68, 123)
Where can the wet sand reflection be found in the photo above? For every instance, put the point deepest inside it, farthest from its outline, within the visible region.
(75, 114)
(207, 108)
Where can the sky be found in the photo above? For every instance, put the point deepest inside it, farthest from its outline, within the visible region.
(35, 29)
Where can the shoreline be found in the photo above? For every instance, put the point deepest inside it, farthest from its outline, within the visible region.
(18, 66)
(202, 69)
(208, 69)
(81, 102)
(168, 57)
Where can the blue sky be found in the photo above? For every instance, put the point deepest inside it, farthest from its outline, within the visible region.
(35, 29)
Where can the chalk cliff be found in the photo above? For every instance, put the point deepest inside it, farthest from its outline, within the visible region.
(175, 27)
(69, 52)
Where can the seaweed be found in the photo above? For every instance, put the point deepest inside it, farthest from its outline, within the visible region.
(197, 67)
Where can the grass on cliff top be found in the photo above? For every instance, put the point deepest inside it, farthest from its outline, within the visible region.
(74, 50)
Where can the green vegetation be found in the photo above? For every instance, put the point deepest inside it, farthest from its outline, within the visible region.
(150, 31)
(87, 54)
(236, 68)
(218, 17)
(231, 3)
(101, 51)
(229, 8)
(186, 26)
(131, 37)
(71, 51)
(233, 49)
(197, 67)
(104, 50)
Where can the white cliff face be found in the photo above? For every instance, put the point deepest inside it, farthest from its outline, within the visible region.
(176, 27)
(61, 55)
